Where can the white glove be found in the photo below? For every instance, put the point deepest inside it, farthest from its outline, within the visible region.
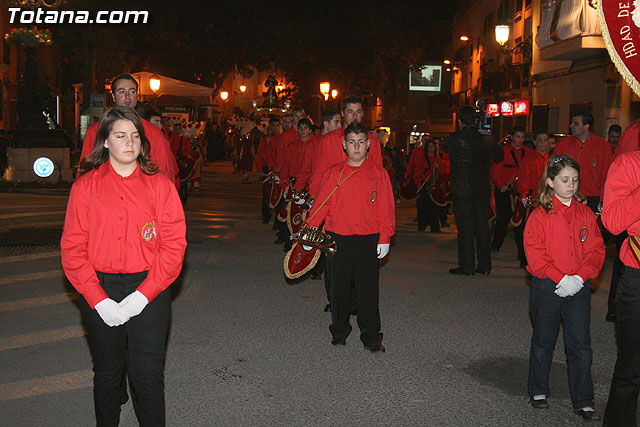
(110, 312)
(568, 286)
(299, 202)
(307, 248)
(276, 179)
(383, 250)
(133, 304)
(524, 202)
(310, 203)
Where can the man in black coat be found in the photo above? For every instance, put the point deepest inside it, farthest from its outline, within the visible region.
(471, 156)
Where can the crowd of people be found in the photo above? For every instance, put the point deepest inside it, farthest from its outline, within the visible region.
(338, 184)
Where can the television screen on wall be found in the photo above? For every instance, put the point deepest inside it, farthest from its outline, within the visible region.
(426, 79)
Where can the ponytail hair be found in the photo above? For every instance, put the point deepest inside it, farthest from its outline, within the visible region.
(553, 168)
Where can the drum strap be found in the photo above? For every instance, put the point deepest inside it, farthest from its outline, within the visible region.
(332, 191)
(634, 244)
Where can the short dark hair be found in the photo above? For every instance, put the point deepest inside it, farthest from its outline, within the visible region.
(150, 113)
(517, 129)
(587, 119)
(353, 99)
(274, 120)
(356, 128)
(122, 77)
(540, 132)
(304, 122)
(467, 116)
(327, 115)
(615, 128)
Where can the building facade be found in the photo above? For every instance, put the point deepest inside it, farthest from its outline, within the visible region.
(555, 59)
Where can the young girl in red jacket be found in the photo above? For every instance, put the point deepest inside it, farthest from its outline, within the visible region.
(565, 251)
(122, 245)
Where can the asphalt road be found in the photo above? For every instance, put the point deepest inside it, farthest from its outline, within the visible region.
(248, 349)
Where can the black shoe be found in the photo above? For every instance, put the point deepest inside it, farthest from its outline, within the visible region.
(611, 317)
(588, 415)
(459, 271)
(481, 271)
(375, 348)
(447, 225)
(316, 277)
(339, 341)
(278, 241)
(266, 220)
(436, 231)
(327, 307)
(495, 248)
(539, 404)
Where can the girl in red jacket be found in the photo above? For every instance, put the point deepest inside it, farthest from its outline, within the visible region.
(564, 249)
(122, 246)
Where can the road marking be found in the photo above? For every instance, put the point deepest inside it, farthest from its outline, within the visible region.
(32, 276)
(38, 301)
(53, 384)
(25, 214)
(42, 337)
(29, 257)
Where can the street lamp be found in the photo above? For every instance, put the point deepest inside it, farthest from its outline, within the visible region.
(334, 94)
(464, 38)
(447, 61)
(243, 88)
(502, 34)
(154, 84)
(325, 87)
(224, 95)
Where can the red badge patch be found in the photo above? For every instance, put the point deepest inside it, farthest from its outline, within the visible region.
(594, 162)
(584, 234)
(148, 231)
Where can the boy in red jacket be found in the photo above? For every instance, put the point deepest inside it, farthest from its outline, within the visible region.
(356, 203)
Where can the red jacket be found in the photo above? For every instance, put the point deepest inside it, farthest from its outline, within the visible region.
(565, 241)
(160, 148)
(444, 163)
(420, 166)
(506, 171)
(122, 225)
(363, 204)
(593, 156)
(263, 156)
(629, 140)
(531, 170)
(331, 152)
(621, 200)
(293, 162)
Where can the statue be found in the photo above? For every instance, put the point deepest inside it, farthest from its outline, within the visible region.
(270, 96)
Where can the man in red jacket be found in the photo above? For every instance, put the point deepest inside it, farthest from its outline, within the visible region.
(592, 153)
(124, 89)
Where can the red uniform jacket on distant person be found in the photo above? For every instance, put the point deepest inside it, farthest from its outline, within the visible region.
(593, 156)
(531, 170)
(293, 162)
(421, 168)
(331, 152)
(629, 140)
(363, 204)
(622, 201)
(160, 150)
(565, 241)
(122, 225)
(506, 171)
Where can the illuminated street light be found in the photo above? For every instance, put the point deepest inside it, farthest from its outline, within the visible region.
(334, 94)
(464, 38)
(154, 83)
(224, 95)
(243, 88)
(502, 34)
(325, 87)
(447, 61)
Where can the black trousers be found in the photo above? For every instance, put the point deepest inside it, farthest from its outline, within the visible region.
(139, 346)
(356, 260)
(518, 234)
(615, 275)
(266, 210)
(472, 220)
(428, 213)
(622, 405)
(503, 217)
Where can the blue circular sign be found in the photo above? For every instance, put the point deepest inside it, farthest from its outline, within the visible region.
(43, 167)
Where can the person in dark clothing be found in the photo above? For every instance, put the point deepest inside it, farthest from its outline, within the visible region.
(400, 168)
(471, 156)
